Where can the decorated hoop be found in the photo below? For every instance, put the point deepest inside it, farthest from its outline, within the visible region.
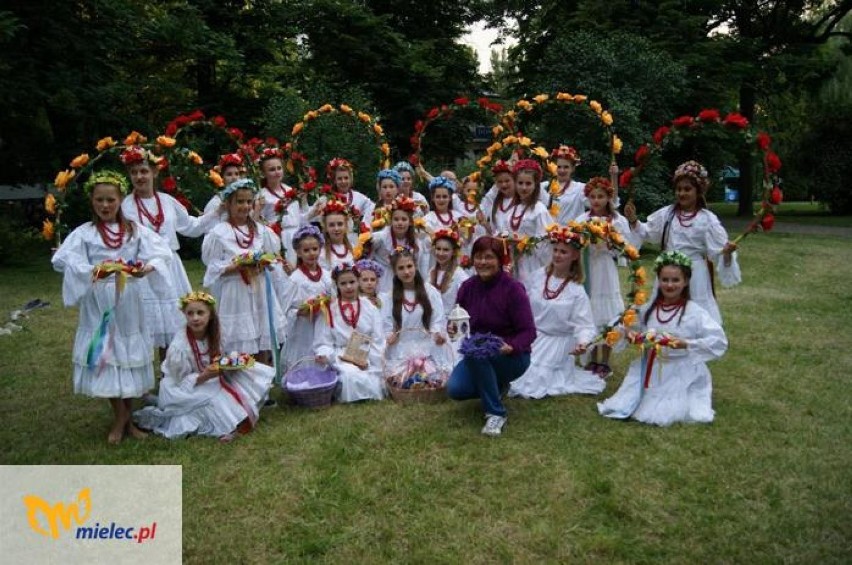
(734, 123)
(525, 107)
(297, 163)
(446, 111)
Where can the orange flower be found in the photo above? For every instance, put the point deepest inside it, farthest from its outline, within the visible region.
(47, 230)
(640, 273)
(554, 209)
(385, 149)
(640, 297)
(596, 106)
(326, 108)
(524, 105)
(345, 109)
(580, 98)
(483, 161)
(364, 117)
(364, 237)
(377, 224)
(496, 130)
(612, 337)
(616, 144)
(564, 96)
(541, 98)
(420, 222)
(629, 318)
(524, 141)
(616, 237)
(195, 158)
(551, 168)
(166, 141)
(135, 138)
(606, 118)
(522, 244)
(378, 129)
(216, 178)
(291, 168)
(63, 178)
(105, 143)
(297, 128)
(540, 151)
(494, 147)
(631, 252)
(357, 252)
(50, 204)
(474, 176)
(80, 161)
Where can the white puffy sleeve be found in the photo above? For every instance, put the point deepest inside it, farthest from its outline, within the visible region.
(192, 226)
(581, 317)
(710, 341)
(324, 338)
(716, 237)
(652, 230)
(215, 256)
(377, 345)
(72, 261)
(154, 251)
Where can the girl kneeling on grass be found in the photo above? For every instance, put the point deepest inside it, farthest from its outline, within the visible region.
(348, 315)
(671, 382)
(196, 396)
(113, 348)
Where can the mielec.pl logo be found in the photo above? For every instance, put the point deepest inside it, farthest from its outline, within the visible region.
(60, 516)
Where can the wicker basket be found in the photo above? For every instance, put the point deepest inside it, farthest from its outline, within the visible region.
(413, 344)
(323, 380)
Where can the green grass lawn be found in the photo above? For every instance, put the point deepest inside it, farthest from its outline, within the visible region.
(792, 212)
(769, 481)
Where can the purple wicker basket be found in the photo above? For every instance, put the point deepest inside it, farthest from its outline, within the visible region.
(309, 384)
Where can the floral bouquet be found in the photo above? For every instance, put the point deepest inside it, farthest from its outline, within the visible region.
(466, 226)
(110, 267)
(233, 361)
(418, 373)
(481, 345)
(255, 259)
(652, 339)
(316, 304)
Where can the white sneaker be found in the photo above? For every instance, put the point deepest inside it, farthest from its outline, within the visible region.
(493, 425)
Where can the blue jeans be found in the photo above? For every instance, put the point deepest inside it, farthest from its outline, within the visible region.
(486, 379)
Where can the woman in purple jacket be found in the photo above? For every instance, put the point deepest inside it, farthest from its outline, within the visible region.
(498, 304)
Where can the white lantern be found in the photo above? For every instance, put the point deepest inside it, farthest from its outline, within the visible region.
(458, 324)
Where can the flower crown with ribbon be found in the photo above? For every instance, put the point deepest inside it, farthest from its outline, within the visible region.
(403, 166)
(389, 174)
(566, 152)
(197, 296)
(307, 231)
(230, 160)
(527, 165)
(404, 203)
(107, 176)
(599, 183)
(239, 184)
(134, 154)
(334, 206)
(442, 182)
(447, 234)
(401, 250)
(672, 258)
(345, 267)
(501, 166)
(693, 170)
(565, 234)
(370, 265)
(337, 163)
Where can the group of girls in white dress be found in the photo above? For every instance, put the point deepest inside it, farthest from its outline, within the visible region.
(287, 281)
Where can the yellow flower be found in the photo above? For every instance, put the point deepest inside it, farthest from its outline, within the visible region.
(47, 230)
(596, 106)
(105, 143)
(554, 209)
(166, 141)
(377, 224)
(631, 252)
(50, 204)
(345, 109)
(291, 168)
(312, 115)
(326, 108)
(378, 129)
(511, 114)
(509, 140)
(80, 161)
(297, 128)
(554, 187)
(540, 151)
(365, 237)
(552, 168)
(541, 98)
(496, 130)
(420, 222)
(216, 178)
(63, 178)
(564, 96)
(616, 144)
(612, 337)
(629, 318)
(474, 176)
(522, 244)
(195, 158)
(606, 118)
(494, 147)
(483, 161)
(364, 117)
(524, 105)
(580, 98)
(357, 252)
(525, 142)
(616, 238)
(135, 138)
(385, 149)
(640, 297)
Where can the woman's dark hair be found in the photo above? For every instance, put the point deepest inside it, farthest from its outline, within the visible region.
(488, 243)
(420, 294)
(687, 274)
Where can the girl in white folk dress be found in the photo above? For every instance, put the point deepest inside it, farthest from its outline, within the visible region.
(442, 215)
(470, 211)
(674, 385)
(499, 200)
(400, 233)
(311, 281)
(563, 320)
(163, 214)
(341, 175)
(569, 197)
(528, 217)
(602, 283)
(350, 313)
(195, 396)
(369, 274)
(123, 370)
(279, 206)
(406, 187)
(337, 248)
(411, 304)
(687, 226)
(388, 182)
(241, 291)
(446, 276)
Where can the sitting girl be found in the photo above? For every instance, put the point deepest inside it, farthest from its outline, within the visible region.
(350, 315)
(196, 397)
(369, 273)
(673, 385)
(411, 304)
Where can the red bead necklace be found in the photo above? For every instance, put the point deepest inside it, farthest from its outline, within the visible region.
(243, 239)
(350, 312)
(685, 219)
(448, 221)
(313, 277)
(335, 252)
(508, 207)
(515, 220)
(672, 309)
(196, 352)
(157, 220)
(409, 305)
(470, 208)
(551, 294)
(112, 239)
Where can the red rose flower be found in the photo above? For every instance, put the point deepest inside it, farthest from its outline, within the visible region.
(734, 119)
(642, 154)
(413, 159)
(363, 228)
(626, 177)
(309, 186)
(710, 115)
(418, 126)
(433, 113)
(236, 133)
(414, 141)
(279, 206)
(660, 134)
(169, 184)
(463, 101)
(763, 141)
(776, 196)
(271, 141)
(683, 122)
(163, 164)
(325, 188)
(219, 121)
(171, 129)
(195, 116)
(767, 222)
(773, 162)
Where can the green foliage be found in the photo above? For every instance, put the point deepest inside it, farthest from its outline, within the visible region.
(20, 239)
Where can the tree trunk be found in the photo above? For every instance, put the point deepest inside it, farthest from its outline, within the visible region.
(747, 104)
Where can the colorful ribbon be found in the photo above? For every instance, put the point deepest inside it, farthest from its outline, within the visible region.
(236, 395)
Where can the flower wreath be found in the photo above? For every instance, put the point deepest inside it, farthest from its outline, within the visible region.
(334, 206)
(451, 235)
(446, 111)
(708, 120)
(134, 148)
(523, 107)
(297, 166)
(197, 296)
